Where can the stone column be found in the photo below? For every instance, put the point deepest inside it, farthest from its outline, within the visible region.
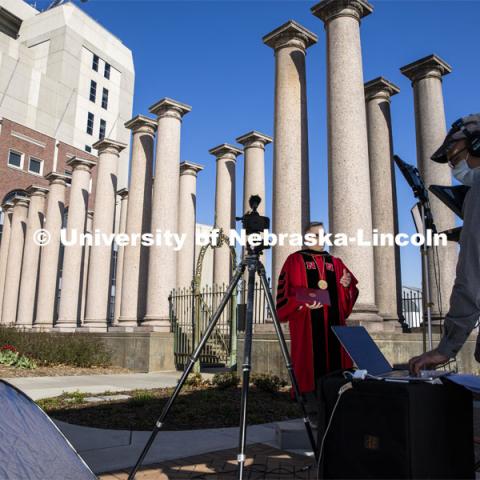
(254, 167)
(99, 272)
(350, 208)
(253, 180)
(384, 202)
(187, 204)
(291, 198)
(86, 259)
(139, 214)
(14, 261)
(162, 265)
(226, 156)
(123, 194)
(31, 256)
(69, 311)
(7, 223)
(50, 253)
(426, 76)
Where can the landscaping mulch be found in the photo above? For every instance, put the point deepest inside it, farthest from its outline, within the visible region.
(58, 371)
(195, 408)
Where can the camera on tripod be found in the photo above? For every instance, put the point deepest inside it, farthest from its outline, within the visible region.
(254, 223)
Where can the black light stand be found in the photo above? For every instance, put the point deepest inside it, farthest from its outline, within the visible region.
(412, 176)
(252, 223)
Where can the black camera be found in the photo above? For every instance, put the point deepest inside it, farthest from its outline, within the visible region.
(253, 222)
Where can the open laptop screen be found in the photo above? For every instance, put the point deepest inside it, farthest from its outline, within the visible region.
(362, 349)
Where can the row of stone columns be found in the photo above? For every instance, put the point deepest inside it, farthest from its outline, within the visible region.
(361, 192)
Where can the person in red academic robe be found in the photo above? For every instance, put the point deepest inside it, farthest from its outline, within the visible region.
(315, 350)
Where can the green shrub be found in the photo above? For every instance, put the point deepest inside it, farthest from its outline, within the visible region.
(47, 348)
(225, 380)
(268, 383)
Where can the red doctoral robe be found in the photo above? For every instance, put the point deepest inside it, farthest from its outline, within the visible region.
(315, 350)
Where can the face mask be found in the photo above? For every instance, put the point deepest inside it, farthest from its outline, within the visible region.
(466, 175)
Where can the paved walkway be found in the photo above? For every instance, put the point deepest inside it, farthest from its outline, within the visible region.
(116, 450)
(43, 387)
(262, 462)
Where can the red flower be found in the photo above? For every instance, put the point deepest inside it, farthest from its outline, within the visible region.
(8, 347)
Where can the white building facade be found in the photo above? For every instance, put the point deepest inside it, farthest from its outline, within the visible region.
(66, 76)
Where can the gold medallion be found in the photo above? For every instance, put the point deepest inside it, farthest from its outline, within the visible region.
(322, 284)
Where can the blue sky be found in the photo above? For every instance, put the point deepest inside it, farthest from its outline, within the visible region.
(211, 56)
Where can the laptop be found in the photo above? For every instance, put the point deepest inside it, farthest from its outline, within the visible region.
(367, 356)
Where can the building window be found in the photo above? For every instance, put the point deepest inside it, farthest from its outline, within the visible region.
(95, 62)
(103, 128)
(90, 123)
(106, 72)
(15, 159)
(35, 166)
(105, 98)
(93, 91)
(88, 148)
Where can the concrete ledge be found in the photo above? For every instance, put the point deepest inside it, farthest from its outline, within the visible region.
(140, 351)
(397, 347)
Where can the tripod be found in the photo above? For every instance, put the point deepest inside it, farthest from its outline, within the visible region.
(254, 265)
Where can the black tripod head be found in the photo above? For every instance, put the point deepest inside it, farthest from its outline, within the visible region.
(254, 223)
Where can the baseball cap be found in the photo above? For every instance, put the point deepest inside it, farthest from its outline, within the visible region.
(471, 124)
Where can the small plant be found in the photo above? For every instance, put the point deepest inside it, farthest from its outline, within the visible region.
(195, 380)
(226, 380)
(11, 358)
(268, 383)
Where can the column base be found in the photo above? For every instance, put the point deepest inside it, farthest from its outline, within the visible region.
(126, 322)
(23, 326)
(93, 327)
(123, 328)
(65, 328)
(153, 323)
(366, 315)
(42, 328)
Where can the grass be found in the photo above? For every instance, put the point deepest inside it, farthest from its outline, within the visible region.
(196, 407)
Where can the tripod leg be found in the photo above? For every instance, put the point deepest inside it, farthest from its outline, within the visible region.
(286, 357)
(194, 357)
(246, 367)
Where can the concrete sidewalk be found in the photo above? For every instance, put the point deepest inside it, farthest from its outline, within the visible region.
(112, 450)
(43, 387)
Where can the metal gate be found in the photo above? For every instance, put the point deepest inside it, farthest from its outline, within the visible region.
(190, 313)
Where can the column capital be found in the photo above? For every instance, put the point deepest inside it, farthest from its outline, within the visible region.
(380, 88)
(254, 139)
(107, 145)
(431, 66)
(122, 193)
(57, 178)
(166, 107)
(190, 168)
(37, 190)
(225, 150)
(142, 124)
(7, 206)
(20, 201)
(327, 10)
(290, 34)
(80, 164)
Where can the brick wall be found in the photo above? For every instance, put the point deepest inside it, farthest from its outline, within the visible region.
(31, 143)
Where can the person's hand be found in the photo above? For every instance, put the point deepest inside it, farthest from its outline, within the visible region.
(426, 361)
(312, 306)
(346, 278)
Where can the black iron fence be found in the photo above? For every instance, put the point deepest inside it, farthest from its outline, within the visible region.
(412, 307)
